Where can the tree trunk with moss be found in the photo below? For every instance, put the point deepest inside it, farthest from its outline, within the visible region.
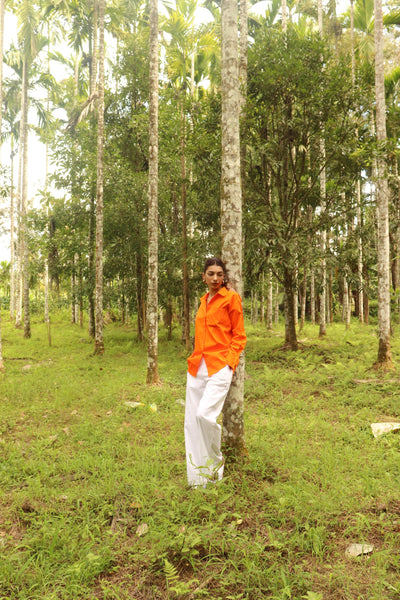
(231, 211)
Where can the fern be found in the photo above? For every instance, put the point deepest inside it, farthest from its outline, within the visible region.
(171, 574)
(179, 588)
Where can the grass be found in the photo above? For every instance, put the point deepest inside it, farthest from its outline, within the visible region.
(94, 502)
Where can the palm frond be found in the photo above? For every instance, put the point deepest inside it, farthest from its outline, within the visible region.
(391, 79)
(82, 112)
(393, 18)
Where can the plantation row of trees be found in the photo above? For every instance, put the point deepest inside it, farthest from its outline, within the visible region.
(318, 169)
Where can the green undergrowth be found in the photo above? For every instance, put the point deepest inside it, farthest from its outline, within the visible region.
(94, 502)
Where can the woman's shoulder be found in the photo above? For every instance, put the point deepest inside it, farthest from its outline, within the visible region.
(231, 290)
(232, 295)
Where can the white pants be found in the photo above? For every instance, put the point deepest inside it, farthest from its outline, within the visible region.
(205, 397)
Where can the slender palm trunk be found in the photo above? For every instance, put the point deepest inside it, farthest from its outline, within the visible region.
(92, 215)
(243, 29)
(24, 205)
(345, 300)
(2, 3)
(12, 236)
(330, 296)
(398, 236)
(303, 298)
(185, 270)
(269, 300)
(296, 296)
(290, 320)
(20, 247)
(73, 291)
(46, 260)
(152, 290)
(384, 359)
(46, 263)
(284, 15)
(312, 294)
(276, 307)
(360, 290)
(98, 338)
(322, 309)
(91, 262)
(262, 297)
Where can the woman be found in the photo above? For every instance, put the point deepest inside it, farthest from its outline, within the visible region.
(219, 340)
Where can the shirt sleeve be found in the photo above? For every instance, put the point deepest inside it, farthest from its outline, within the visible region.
(239, 339)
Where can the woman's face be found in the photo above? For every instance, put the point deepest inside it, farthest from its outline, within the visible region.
(213, 277)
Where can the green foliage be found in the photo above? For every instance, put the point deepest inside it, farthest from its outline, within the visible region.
(296, 91)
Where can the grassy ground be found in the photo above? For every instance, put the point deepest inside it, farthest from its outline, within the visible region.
(93, 498)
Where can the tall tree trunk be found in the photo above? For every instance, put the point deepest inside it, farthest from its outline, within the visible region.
(76, 267)
(296, 297)
(269, 300)
(185, 270)
(349, 301)
(231, 210)
(152, 291)
(94, 50)
(98, 337)
(345, 309)
(290, 321)
(284, 15)
(24, 203)
(2, 2)
(20, 247)
(46, 260)
(276, 308)
(243, 36)
(397, 235)
(262, 297)
(73, 286)
(360, 290)
(140, 296)
(92, 216)
(12, 237)
(384, 359)
(322, 308)
(91, 268)
(312, 294)
(330, 297)
(303, 298)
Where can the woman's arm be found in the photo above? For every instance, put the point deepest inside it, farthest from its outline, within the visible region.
(239, 339)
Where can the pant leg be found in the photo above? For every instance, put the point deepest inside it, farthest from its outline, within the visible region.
(195, 387)
(205, 397)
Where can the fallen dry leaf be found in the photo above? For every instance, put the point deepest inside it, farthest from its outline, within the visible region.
(142, 529)
(381, 428)
(359, 549)
(133, 404)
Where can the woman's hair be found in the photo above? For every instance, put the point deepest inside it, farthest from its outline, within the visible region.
(215, 260)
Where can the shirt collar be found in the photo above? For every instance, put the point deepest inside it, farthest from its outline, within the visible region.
(222, 291)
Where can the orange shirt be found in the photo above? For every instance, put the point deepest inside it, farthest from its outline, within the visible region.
(219, 337)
